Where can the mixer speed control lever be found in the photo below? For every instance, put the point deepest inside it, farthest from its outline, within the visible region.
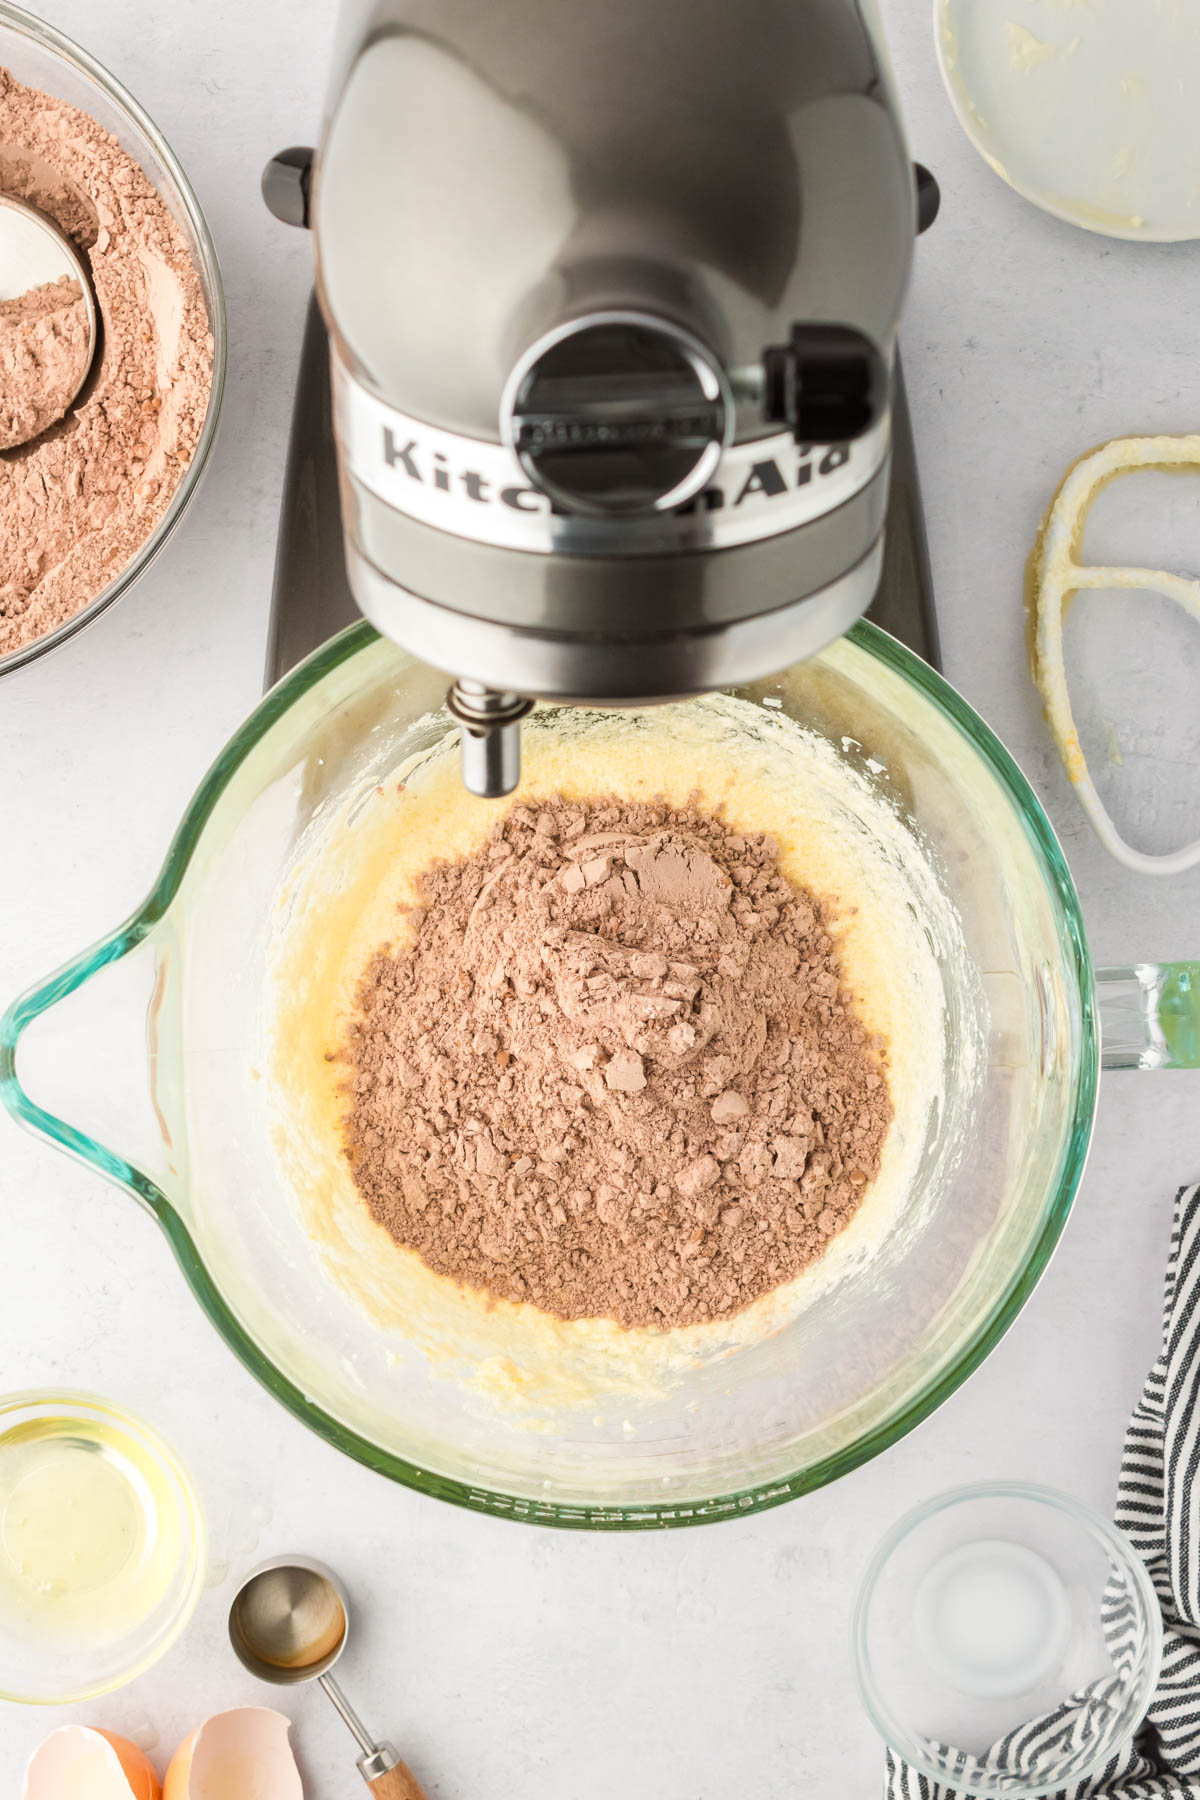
(828, 383)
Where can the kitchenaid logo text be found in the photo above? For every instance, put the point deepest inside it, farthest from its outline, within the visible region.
(478, 490)
(767, 479)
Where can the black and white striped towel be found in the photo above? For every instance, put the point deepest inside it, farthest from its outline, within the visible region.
(1157, 1499)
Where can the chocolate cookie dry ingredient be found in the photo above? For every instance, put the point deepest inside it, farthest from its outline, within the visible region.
(614, 1074)
(44, 337)
(78, 502)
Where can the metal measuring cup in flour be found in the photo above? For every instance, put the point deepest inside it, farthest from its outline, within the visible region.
(48, 322)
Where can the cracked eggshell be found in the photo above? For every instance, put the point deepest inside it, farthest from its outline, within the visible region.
(239, 1755)
(85, 1764)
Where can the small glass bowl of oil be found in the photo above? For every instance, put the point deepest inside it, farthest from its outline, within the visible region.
(102, 1547)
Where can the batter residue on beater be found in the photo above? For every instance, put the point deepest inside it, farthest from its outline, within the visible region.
(614, 1072)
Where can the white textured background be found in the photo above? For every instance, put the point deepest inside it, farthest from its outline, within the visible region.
(508, 1661)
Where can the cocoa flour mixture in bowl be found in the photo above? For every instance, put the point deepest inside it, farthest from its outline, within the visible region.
(87, 503)
(615, 1074)
(588, 1098)
(854, 847)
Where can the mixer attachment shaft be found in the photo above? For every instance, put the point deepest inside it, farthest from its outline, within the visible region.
(490, 728)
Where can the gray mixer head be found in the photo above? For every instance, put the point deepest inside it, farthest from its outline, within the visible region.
(612, 293)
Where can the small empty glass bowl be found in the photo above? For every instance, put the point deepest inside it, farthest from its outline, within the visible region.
(1008, 1641)
(102, 1548)
(43, 58)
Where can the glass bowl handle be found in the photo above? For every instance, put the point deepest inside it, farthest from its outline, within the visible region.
(86, 1040)
(1150, 1016)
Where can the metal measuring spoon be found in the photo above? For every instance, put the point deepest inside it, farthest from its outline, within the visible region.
(288, 1623)
(36, 390)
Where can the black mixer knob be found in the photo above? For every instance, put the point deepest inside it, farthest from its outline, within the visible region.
(287, 184)
(828, 383)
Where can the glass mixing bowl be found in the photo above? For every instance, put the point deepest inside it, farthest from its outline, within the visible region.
(40, 57)
(146, 1056)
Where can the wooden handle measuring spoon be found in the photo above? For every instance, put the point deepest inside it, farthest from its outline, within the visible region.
(288, 1623)
(396, 1784)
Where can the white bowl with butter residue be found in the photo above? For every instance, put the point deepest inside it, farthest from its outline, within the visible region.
(1085, 107)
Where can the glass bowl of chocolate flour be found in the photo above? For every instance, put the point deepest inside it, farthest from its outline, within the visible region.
(644, 1150)
(88, 503)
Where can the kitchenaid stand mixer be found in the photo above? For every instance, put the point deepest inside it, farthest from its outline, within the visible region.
(612, 299)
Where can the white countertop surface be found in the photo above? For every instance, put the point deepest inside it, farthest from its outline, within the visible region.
(505, 1660)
